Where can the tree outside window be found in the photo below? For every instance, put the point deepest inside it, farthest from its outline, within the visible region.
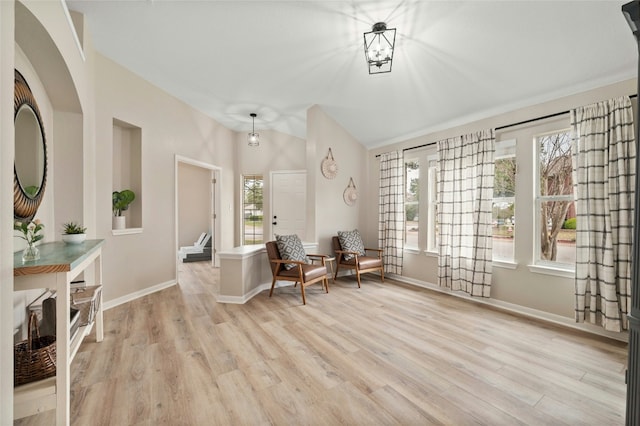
(503, 212)
(411, 203)
(252, 214)
(556, 209)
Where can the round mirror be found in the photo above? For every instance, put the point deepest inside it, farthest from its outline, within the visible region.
(30, 166)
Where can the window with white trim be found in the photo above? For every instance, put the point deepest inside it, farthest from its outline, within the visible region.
(252, 214)
(504, 201)
(555, 208)
(432, 204)
(411, 202)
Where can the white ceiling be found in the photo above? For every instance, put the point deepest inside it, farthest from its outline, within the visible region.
(454, 62)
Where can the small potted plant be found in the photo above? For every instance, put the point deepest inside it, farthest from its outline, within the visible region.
(73, 233)
(121, 201)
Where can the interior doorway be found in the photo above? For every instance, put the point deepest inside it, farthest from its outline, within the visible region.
(197, 201)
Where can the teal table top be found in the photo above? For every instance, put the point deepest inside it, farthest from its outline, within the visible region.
(55, 256)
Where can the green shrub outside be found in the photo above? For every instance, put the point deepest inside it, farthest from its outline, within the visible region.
(569, 223)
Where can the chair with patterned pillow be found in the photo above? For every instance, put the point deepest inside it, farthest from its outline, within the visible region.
(352, 254)
(289, 262)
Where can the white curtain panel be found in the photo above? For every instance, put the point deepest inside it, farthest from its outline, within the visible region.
(604, 183)
(465, 199)
(391, 211)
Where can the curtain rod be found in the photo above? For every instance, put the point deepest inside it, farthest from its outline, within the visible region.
(506, 126)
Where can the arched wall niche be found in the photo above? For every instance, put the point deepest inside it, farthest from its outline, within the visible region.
(47, 60)
(47, 39)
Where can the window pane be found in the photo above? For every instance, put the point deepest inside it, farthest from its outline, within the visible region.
(432, 205)
(411, 203)
(503, 229)
(252, 209)
(558, 231)
(555, 218)
(504, 184)
(555, 164)
(503, 211)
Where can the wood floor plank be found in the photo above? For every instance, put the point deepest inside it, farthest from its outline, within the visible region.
(383, 354)
(240, 400)
(400, 408)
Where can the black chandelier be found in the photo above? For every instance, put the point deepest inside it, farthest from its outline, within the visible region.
(378, 48)
(253, 138)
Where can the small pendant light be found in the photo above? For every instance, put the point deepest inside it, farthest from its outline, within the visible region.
(253, 138)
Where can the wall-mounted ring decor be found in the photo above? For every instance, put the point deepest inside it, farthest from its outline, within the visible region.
(329, 166)
(350, 195)
(30, 162)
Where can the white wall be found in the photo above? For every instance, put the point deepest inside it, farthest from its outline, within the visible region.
(169, 127)
(520, 286)
(277, 151)
(328, 212)
(194, 203)
(67, 165)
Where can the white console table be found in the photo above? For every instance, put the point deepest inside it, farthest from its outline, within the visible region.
(58, 265)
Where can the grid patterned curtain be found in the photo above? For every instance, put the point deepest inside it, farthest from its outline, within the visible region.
(604, 169)
(391, 212)
(465, 194)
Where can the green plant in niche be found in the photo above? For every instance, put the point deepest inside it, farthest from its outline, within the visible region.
(121, 201)
(73, 228)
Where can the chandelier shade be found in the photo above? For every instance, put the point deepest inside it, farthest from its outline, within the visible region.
(253, 138)
(378, 48)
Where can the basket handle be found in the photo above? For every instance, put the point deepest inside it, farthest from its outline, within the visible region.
(33, 326)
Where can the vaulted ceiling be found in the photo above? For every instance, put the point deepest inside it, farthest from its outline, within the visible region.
(454, 62)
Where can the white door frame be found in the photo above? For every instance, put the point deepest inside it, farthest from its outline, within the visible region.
(216, 173)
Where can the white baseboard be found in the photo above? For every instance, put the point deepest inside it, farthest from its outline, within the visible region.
(240, 300)
(137, 294)
(517, 309)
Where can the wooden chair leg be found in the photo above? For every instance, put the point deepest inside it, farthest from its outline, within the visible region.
(326, 284)
(304, 299)
(382, 274)
(358, 277)
(335, 275)
(273, 284)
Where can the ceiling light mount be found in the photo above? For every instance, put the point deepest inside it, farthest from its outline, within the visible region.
(253, 138)
(379, 44)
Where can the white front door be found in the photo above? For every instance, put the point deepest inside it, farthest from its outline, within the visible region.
(288, 203)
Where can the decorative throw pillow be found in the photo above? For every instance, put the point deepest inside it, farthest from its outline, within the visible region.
(290, 248)
(351, 241)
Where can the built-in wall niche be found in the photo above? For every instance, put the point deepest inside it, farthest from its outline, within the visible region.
(127, 175)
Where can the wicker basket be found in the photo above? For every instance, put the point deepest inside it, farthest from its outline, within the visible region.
(35, 358)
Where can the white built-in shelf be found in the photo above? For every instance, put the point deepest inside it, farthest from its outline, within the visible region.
(59, 264)
(126, 231)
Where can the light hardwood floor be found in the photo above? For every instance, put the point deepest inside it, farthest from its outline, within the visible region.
(383, 354)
